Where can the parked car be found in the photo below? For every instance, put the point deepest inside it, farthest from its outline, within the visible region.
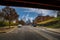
(19, 25)
(34, 25)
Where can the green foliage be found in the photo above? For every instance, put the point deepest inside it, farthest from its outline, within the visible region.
(2, 24)
(13, 24)
(52, 24)
(6, 23)
(21, 22)
(8, 14)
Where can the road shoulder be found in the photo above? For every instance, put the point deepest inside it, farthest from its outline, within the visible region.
(7, 30)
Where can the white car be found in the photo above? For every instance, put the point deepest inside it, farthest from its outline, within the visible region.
(19, 25)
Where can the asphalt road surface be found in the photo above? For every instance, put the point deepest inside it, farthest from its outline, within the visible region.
(29, 33)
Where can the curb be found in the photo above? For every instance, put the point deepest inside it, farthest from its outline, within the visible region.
(49, 29)
(49, 37)
(7, 31)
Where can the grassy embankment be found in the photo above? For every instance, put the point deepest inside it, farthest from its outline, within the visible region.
(52, 23)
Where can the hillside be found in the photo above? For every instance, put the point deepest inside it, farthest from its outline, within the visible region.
(51, 20)
(55, 22)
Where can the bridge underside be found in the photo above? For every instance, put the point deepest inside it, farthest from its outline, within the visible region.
(52, 4)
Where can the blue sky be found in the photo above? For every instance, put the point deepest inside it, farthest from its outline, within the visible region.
(31, 13)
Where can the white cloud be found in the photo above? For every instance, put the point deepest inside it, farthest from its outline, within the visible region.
(39, 11)
(23, 16)
(42, 11)
(31, 19)
(33, 10)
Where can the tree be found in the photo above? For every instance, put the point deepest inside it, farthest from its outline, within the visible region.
(21, 22)
(10, 14)
(1, 16)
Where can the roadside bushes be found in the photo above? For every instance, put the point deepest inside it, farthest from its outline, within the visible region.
(6, 23)
(3, 24)
(13, 24)
(53, 24)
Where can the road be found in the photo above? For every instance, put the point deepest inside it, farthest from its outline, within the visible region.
(30, 33)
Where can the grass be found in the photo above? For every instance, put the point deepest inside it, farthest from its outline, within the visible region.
(47, 21)
(52, 23)
(51, 20)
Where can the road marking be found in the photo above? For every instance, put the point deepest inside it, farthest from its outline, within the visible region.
(49, 37)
